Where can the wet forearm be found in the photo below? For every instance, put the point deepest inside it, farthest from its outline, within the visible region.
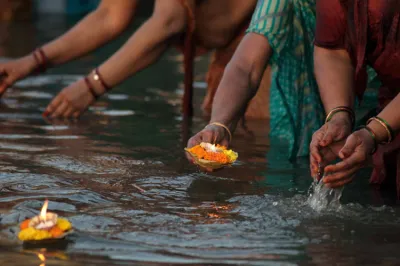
(241, 80)
(97, 28)
(140, 51)
(232, 96)
(335, 77)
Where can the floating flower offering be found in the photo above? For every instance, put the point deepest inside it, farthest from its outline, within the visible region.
(45, 226)
(212, 156)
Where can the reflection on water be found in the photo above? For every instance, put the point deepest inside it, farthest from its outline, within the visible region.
(120, 176)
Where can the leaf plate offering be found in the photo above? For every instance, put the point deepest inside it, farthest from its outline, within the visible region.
(212, 156)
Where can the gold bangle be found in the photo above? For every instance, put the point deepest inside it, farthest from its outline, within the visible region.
(389, 133)
(338, 110)
(225, 127)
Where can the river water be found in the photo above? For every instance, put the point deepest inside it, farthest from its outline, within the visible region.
(119, 174)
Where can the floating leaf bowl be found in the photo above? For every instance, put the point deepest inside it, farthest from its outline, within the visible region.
(200, 152)
(33, 235)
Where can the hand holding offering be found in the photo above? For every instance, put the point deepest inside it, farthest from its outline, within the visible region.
(212, 156)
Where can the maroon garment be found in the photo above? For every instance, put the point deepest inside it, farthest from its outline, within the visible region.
(370, 32)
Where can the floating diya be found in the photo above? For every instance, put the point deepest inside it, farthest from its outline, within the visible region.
(45, 226)
(212, 156)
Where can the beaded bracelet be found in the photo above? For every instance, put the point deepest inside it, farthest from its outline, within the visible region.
(384, 124)
(373, 136)
(341, 109)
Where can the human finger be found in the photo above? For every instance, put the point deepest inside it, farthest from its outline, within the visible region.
(53, 105)
(340, 183)
(60, 109)
(349, 147)
(334, 177)
(314, 148)
(195, 140)
(68, 113)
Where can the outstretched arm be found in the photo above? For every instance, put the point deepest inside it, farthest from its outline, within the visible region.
(239, 84)
(142, 49)
(100, 26)
(335, 77)
(241, 80)
(97, 28)
(147, 43)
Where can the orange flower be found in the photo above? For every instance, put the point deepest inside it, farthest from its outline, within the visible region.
(24, 224)
(201, 153)
(55, 231)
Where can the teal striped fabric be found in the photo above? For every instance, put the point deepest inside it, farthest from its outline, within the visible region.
(295, 107)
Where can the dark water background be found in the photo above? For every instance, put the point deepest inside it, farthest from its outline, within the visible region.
(254, 213)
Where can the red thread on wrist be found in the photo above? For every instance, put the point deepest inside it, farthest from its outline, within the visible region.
(90, 87)
(98, 77)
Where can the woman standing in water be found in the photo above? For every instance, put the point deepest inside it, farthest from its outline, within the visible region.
(351, 34)
(281, 34)
(192, 25)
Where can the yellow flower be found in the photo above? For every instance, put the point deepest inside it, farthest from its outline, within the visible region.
(231, 154)
(63, 224)
(31, 233)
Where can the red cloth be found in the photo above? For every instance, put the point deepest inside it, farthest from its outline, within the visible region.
(370, 32)
(370, 36)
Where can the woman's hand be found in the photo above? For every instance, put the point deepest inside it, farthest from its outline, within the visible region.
(337, 129)
(71, 102)
(12, 71)
(355, 154)
(211, 134)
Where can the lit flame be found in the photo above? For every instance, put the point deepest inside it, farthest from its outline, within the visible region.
(44, 210)
(213, 148)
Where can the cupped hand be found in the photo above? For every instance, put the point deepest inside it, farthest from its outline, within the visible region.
(355, 154)
(14, 70)
(333, 131)
(210, 134)
(328, 154)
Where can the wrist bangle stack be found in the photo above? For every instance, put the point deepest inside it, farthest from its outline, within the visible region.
(386, 126)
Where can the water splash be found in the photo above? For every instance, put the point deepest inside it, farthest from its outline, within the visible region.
(321, 197)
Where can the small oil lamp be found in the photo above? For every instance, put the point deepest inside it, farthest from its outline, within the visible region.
(210, 147)
(210, 156)
(45, 220)
(46, 225)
